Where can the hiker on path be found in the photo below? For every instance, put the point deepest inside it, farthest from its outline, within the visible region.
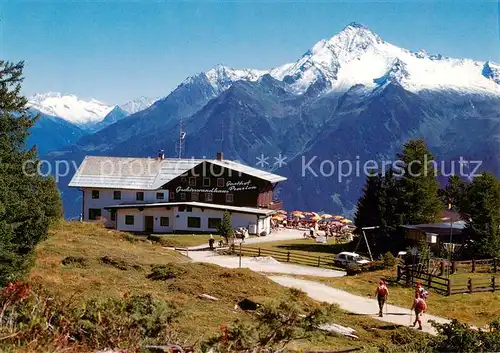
(421, 291)
(381, 293)
(420, 307)
(211, 242)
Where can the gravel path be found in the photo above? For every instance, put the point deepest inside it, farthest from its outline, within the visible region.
(262, 264)
(356, 304)
(286, 234)
(316, 290)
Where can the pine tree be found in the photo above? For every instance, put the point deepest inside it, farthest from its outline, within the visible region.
(481, 208)
(369, 210)
(420, 199)
(28, 201)
(454, 192)
(225, 228)
(379, 206)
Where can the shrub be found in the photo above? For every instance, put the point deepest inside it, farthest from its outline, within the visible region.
(368, 267)
(119, 264)
(154, 238)
(130, 238)
(164, 272)
(77, 261)
(47, 324)
(389, 260)
(458, 337)
(276, 325)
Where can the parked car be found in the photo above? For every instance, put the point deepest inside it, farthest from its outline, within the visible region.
(345, 259)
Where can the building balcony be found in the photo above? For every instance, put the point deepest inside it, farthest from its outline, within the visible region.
(276, 205)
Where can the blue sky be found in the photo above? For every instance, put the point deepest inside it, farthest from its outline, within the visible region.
(118, 50)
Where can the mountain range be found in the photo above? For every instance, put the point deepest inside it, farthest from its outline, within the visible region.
(351, 98)
(64, 118)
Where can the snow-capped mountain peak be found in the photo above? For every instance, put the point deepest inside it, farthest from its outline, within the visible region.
(324, 60)
(354, 37)
(137, 104)
(358, 56)
(70, 107)
(222, 77)
(397, 74)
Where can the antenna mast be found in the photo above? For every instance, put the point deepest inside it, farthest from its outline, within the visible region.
(221, 136)
(182, 135)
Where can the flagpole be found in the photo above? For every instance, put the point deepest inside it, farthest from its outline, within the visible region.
(451, 237)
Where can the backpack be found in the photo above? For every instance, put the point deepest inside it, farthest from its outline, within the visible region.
(382, 291)
(421, 305)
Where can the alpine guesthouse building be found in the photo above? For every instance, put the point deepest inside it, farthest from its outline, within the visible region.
(167, 195)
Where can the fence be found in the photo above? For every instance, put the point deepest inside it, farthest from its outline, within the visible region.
(444, 266)
(473, 266)
(447, 286)
(472, 285)
(413, 274)
(287, 256)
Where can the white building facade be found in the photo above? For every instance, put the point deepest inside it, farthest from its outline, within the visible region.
(164, 195)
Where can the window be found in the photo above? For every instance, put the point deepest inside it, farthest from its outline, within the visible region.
(209, 197)
(164, 221)
(183, 196)
(229, 198)
(192, 181)
(189, 209)
(220, 182)
(182, 208)
(195, 196)
(160, 196)
(94, 213)
(172, 196)
(129, 220)
(139, 196)
(95, 194)
(183, 180)
(117, 195)
(214, 223)
(194, 222)
(112, 215)
(206, 182)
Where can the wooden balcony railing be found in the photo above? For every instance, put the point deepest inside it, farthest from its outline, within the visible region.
(275, 205)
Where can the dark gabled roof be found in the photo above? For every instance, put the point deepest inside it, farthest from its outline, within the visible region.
(148, 173)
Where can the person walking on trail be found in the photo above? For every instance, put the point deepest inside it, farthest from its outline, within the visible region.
(211, 242)
(381, 293)
(421, 291)
(420, 307)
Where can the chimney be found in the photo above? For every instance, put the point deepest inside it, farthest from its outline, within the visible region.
(220, 156)
(161, 155)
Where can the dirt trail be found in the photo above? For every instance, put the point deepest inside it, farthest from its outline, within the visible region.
(356, 304)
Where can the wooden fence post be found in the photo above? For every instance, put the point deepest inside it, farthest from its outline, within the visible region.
(319, 261)
(448, 287)
(473, 266)
(453, 267)
(493, 283)
(259, 251)
(429, 280)
(469, 284)
(399, 273)
(442, 268)
(288, 256)
(495, 265)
